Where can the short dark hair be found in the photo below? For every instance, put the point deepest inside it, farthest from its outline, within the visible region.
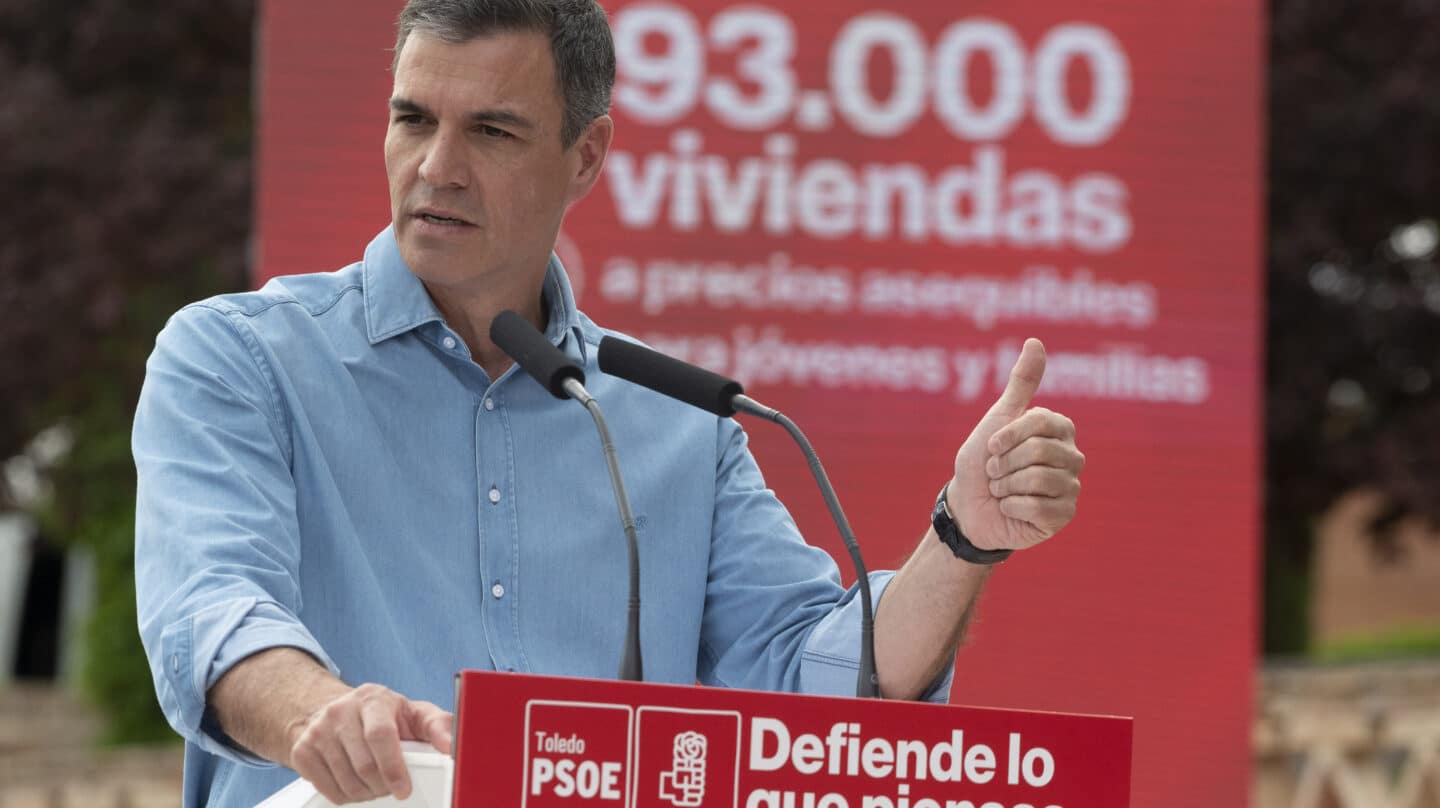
(580, 44)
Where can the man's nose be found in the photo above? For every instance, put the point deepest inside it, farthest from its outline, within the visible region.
(444, 165)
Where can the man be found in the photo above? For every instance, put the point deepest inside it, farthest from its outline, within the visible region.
(347, 492)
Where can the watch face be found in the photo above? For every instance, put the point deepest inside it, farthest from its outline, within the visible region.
(940, 517)
(940, 510)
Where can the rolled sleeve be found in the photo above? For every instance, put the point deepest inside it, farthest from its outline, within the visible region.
(199, 649)
(776, 615)
(216, 534)
(766, 586)
(830, 662)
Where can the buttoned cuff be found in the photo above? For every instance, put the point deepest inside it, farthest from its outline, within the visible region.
(830, 661)
(199, 649)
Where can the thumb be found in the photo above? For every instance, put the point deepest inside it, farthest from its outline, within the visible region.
(1024, 381)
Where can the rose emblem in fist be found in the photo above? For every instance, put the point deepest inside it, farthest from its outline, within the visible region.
(690, 747)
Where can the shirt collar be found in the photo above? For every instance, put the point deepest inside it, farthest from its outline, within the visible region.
(396, 300)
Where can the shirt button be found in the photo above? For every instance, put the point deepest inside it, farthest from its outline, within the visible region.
(494, 494)
(449, 343)
(489, 403)
(175, 663)
(498, 590)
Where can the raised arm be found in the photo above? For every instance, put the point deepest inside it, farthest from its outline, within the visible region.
(1015, 485)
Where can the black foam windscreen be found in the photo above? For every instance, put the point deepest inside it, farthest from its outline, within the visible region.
(531, 351)
(670, 376)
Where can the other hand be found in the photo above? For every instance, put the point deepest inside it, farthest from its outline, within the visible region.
(1017, 477)
(349, 748)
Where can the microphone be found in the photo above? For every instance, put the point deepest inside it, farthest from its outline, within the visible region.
(557, 373)
(535, 355)
(724, 397)
(693, 385)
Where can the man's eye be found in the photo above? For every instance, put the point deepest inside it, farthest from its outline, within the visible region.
(409, 120)
(491, 131)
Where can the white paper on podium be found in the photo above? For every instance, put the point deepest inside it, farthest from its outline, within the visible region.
(431, 776)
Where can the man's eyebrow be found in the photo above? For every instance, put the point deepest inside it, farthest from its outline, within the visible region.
(503, 117)
(496, 116)
(407, 106)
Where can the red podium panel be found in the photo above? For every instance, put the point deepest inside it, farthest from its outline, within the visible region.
(544, 742)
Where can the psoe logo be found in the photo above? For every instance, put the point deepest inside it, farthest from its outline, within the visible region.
(686, 758)
(684, 784)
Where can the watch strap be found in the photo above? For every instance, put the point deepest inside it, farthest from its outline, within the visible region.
(951, 537)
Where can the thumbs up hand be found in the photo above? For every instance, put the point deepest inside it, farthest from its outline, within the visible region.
(1017, 475)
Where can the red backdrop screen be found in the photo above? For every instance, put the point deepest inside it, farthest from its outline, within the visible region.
(860, 210)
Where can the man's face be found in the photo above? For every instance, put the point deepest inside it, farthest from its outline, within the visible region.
(479, 180)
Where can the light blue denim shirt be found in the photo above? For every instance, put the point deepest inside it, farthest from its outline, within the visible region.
(321, 465)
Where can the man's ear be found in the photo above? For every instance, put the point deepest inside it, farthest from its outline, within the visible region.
(593, 145)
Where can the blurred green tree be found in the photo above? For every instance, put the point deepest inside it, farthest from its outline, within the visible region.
(126, 131)
(1353, 339)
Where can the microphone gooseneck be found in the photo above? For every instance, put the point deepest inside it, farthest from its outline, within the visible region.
(724, 397)
(868, 685)
(558, 374)
(631, 667)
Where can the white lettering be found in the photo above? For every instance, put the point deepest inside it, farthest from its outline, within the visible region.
(762, 798)
(610, 780)
(542, 771)
(1038, 767)
(904, 180)
(980, 764)
(1109, 77)
(1101, 222)
(761, 731)
(620, 280)
(981, 187)
(850, 67)
(637, 194)
(910, 759)
(946, 758)
(808, 754)
(685, 206)
(565, 776)
(970, 371)
(1007, 65)
(768, 357)
(661, 74)
(877, 758)
(1036, 214)
(732, 205)
(825, 199)
(587, 779)
(658, 88)
(781, 151)
(963, 204)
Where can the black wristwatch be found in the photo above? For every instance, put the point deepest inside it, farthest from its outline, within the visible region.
(950, 534)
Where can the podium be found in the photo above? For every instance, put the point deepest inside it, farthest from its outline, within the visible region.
(526, 741)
